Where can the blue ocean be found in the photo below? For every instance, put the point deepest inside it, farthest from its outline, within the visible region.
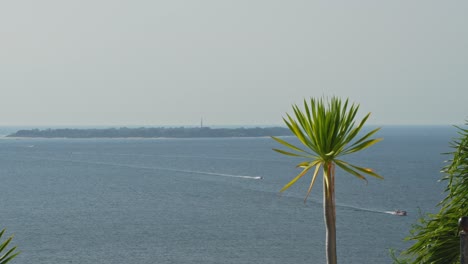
(209, 200)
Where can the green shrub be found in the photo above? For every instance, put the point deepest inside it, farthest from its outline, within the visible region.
(435, 236)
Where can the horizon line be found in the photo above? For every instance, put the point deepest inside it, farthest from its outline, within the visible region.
(194, 126)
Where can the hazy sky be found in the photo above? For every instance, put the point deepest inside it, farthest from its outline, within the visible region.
(239, 62)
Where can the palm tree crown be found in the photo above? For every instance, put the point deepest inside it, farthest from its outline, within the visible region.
(326, 131)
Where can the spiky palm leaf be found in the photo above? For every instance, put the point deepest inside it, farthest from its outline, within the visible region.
(10, 254)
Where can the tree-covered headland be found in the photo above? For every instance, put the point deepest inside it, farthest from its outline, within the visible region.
(153, 132)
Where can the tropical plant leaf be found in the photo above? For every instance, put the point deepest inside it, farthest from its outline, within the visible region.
(309, 121)
(362, 146)
(350, 171)
(365, 137)
(5, 244)
(368, 171)
(10, 254)
(289, 153)
(297, 131)
(303, 164)
(314, 176)
(291, 146)
(6, 257)
(300, 175)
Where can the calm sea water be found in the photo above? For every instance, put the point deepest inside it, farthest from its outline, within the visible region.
(199, 201)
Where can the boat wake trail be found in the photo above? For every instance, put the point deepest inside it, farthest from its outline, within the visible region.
(365, 209)
(213, 173)
(155, 168)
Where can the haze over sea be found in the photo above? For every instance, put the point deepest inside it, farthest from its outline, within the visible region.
(201, 201)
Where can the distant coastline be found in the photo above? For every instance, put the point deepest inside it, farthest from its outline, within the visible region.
(151, 132)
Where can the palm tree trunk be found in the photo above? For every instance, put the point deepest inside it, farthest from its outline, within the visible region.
(329, 212)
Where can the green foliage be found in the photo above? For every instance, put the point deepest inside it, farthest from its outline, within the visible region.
(327, 132)
(10, 254)
(436, 235)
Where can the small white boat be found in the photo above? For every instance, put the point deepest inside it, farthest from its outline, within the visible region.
(399, 212)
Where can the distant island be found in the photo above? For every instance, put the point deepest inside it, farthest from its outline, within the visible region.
(156, 132)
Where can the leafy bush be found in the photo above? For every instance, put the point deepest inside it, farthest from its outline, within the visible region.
(436, 235)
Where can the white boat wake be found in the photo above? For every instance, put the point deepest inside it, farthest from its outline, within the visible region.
(216, 174)
(395, 212)
(156, 168)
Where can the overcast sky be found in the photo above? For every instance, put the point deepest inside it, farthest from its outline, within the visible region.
(239, 62)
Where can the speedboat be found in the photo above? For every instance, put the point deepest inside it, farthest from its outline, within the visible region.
(400, 213)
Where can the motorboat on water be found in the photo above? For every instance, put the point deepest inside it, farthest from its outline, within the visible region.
(400, 212)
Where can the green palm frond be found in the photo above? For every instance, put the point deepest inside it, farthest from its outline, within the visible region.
(317, 168)
(291, 146)
(362, 146)
(10, 254)
(367, 171)
(300, 175)
(349, 170)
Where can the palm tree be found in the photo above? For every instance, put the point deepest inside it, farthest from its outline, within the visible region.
(327, 132)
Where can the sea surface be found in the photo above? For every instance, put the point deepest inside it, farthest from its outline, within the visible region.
(203, 201)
